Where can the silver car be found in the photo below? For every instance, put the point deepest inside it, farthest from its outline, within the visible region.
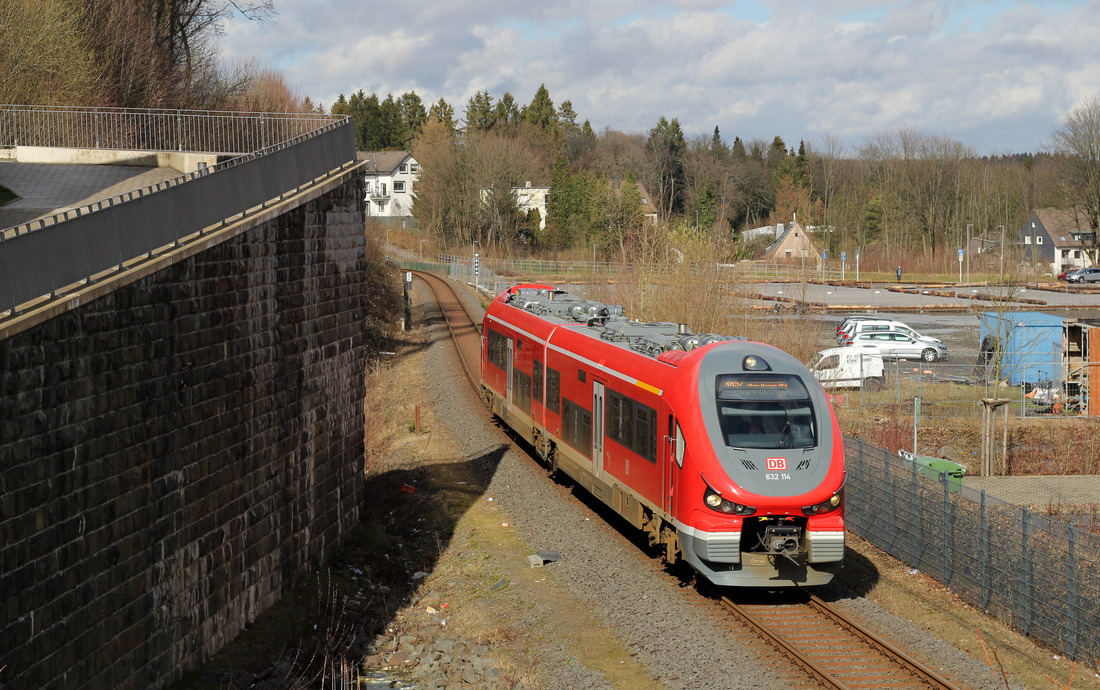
(1084, 275)
(901, 346)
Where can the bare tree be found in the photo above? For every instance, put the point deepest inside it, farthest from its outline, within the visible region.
(1078, 143)
(162, 52)
(44, 56)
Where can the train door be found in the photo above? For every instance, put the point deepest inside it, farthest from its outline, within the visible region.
(508, 385)
(597, 428)
(674, 460)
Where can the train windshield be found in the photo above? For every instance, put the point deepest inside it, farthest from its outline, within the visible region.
(765, 411)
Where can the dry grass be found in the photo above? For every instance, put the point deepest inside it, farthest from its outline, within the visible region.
(1047, 445)
(382, 419)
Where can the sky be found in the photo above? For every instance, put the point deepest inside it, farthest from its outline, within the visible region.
(997, 75)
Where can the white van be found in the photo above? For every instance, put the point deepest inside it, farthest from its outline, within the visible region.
(853, 366)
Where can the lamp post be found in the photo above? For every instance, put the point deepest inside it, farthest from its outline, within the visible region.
(1002, 252)
(421, 250)
(968, 226)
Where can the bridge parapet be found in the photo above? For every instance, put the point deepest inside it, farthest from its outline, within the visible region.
(47, 255)
(145, 129)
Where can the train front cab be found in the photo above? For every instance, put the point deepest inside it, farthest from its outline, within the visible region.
(790, 534)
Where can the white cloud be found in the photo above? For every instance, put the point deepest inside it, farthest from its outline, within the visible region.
(996, 76)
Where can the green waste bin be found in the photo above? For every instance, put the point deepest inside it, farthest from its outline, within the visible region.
(937, 468)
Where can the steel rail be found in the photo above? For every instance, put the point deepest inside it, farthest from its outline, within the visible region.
(922, 674)
(805, 662)
(437, 285)
(884, 646)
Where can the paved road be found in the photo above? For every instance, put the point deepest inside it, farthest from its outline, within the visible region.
(48, 188)
(879, 297)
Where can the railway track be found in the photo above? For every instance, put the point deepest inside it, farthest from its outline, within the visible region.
(828, 645)
(464, 327)
(832, 647)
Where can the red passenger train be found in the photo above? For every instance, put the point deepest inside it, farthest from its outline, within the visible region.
(723, 450)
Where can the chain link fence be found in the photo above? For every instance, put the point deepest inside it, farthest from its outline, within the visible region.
(954, 390)
(1038, 574)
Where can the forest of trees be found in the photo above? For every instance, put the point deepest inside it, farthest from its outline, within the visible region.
(902, 193)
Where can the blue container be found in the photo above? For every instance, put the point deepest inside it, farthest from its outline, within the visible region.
(1031, 352)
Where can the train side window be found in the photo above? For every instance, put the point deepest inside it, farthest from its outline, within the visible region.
(580, 375)
(537, 382)
(553, 390)
(632, 424)
(498, 349)
(521, 390)
(576, 423)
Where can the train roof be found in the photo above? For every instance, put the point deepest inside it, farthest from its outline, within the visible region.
(608, 323)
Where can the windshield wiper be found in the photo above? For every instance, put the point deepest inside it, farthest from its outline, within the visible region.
(784, 434)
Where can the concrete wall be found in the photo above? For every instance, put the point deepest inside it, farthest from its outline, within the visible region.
(175, 452)
(184, 161)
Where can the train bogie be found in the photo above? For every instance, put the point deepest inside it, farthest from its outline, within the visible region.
(724, 451)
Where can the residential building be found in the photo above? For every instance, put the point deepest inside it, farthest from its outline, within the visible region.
(768, 231)
(649, 210)
(530, 198)
(390, 178)
(792, 243)
(1058, 238)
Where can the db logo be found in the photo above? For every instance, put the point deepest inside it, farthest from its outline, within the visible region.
(777, 464)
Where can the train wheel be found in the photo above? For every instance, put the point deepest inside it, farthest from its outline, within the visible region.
(671, 542)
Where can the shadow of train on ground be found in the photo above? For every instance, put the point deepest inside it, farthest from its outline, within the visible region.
(327, 623)
(856, 578)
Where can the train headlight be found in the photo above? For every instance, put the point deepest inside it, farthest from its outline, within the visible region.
(825, 506)
(754, 363)
(714, 501)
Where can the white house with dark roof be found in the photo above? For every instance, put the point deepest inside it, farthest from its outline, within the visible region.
(390, 178)
(1060, 238)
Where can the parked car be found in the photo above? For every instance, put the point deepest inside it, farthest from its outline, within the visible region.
(1065, 274)
(902, 346)
(878, 326)
(1084, 275)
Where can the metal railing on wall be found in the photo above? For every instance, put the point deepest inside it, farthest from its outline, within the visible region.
(744, 271)
(1034, 572)
(46, 255)
(139, 129)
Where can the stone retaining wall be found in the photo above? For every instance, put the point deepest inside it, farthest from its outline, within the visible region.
(173, 454)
